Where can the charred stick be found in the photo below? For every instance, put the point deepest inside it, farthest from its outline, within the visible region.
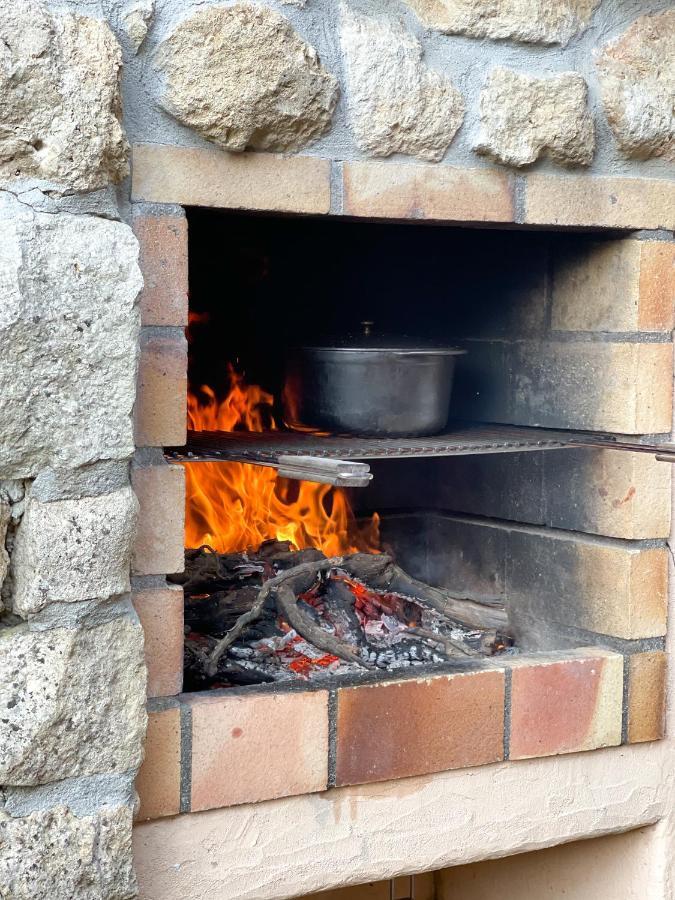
(301, 577)
(474, 614)
(288, 606)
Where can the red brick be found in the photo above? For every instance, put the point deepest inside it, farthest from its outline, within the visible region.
(161, 613)
(258, 747)
(161, 399)
(419, 726)
(164, 264)
(158, 780)
(566, 705)
(158, 548)
(646, 696)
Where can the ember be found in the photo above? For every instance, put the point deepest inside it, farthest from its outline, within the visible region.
(279, 615)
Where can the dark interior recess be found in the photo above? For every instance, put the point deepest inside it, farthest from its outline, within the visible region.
(260, 284)
(270, 282)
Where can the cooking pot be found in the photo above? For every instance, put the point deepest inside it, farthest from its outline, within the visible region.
(369, 384)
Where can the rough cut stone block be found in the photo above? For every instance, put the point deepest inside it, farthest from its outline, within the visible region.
(276, 745)
(566, 706)
(619, 387)
(61, 106)
(608, 492)
(160, 611)
(540, 21)
(53, 854)
(614, 286)
(524, 118)
(242, 77)
(637, 84)
(608, 202)
(400, 191)
(72, 702)
(419, 726)
(395, 103)
(69, 329)
(243, 181)
(72, 550)
(559, 578)
(163, 242)
(158, 780)
(159, 539)
(160, 410)
(5, 514)
(136, 21)
(646, 696)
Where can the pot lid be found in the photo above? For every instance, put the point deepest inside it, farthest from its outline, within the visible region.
(370, 339)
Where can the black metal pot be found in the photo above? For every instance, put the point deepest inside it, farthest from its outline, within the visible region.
(369, 385)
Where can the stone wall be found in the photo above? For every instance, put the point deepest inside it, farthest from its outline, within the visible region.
(496, 100)
(72, 672)
(576, 84)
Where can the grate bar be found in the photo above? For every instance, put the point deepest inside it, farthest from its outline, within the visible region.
(330, 458)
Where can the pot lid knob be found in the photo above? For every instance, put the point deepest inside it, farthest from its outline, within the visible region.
(367, 327)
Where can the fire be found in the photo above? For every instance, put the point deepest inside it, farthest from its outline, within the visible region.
(234, 506)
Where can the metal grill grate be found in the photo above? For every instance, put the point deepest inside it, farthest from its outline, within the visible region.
(333, 459)
(266, 447)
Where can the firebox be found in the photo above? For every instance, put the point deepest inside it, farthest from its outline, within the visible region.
(476, 559)
(366, 590)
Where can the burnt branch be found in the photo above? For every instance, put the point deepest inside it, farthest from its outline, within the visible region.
(301, 577)
(288, 605)
(472, 613)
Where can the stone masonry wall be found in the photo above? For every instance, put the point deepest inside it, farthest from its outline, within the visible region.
(572, 83)
(543, 113)
(72, 671)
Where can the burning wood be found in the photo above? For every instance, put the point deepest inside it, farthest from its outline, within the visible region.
(279, 614)
(309, 602)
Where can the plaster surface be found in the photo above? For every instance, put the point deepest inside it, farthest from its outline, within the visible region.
(287, 848)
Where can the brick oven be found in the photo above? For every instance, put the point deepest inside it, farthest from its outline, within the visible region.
(567, 538)
(491, 180)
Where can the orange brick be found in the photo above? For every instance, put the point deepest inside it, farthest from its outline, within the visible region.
(258, 747)
(590, 200)
(443, 193)
(419, 726)
(161, 613)
(566, 705)
(164, 264)
(161, 399)
(158, 549)
(158, 780)
(657, 286)
(646, 696)
(192, 177)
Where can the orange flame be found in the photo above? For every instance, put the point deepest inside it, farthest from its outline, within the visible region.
(234, 506)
